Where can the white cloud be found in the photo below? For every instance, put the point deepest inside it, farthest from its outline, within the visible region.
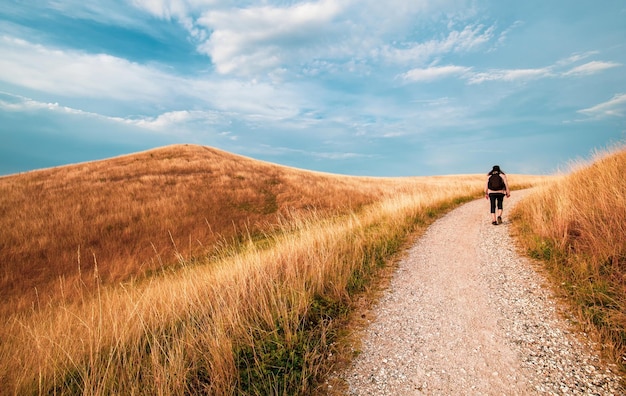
(579, 56)
(176, 9)
(168, 123)
(20, 103)
(591, 68)
(504, 34)
(471, 37)
(163, 8)
(182, 11)
(109, 12)
(264, 37)
(615, 107)
(554, 70)
(434, 73)
(71, 73)
(228, 135)
(253, 39)
(174, 119)
(510, 75)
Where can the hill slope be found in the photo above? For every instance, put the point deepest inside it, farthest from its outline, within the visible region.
(138, 213)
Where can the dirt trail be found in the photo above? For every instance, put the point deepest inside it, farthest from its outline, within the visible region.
(464, 314)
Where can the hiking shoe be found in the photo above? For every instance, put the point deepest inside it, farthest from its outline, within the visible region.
(494, 222)
(499, 220)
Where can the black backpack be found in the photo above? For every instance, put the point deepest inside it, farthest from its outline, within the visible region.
(496, 183)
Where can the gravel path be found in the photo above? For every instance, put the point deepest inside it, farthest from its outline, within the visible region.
(465, 315)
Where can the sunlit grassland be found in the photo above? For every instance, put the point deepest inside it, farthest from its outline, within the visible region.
(137, 214)
(257, 311)
(577, 226)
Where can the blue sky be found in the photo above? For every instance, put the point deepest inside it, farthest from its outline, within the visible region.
(361, 87)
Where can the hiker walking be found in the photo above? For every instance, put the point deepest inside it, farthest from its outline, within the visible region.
(495, 189)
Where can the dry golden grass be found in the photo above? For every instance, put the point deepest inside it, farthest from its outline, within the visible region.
(578, 226)
(135, 214)
(256, 263)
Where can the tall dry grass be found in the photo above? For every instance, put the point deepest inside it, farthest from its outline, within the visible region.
(136, 214)
(259, 317)
(577, 225)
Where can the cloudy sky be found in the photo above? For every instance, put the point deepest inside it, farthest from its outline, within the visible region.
(362, 87)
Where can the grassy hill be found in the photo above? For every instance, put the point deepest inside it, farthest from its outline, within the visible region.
(135, 214)
(190, 270)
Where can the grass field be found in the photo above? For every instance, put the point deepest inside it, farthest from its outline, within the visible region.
(577, 226)
(133, 215)
(189, 270)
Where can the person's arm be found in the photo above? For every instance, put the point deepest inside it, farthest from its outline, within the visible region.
(506, 184)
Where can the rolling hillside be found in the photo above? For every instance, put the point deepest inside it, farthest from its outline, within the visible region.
(134, 214)
(126, 217)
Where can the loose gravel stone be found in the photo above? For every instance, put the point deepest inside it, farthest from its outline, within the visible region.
(466, 315)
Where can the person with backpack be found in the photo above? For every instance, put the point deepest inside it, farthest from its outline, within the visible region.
(496, 188)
